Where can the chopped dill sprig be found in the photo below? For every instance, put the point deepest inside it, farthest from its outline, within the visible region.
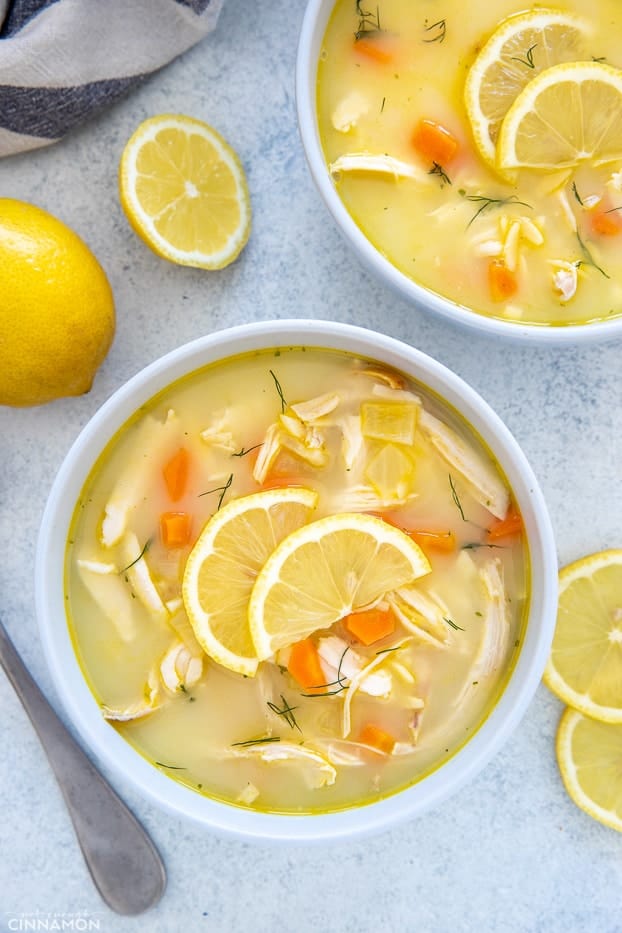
(489, 203)
(280, 391)
(161, 764)
(246, 450)
(260, 741)
(576, 193)
(473, 545)
(452, 623)
(382, 104)
(528, 59)
(438, 169)
(599, 58)
(612, 210)
(287, 712)
(339, 683)
(148, 543)
(369, 23)
(588, 258)
(388, 650)
(224, 489)
(437, 31)
(455, 497)
(221, 489)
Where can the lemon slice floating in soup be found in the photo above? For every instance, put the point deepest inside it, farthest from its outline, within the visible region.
(222, 567)
(521, 47)
(324, 571)
(568, 114)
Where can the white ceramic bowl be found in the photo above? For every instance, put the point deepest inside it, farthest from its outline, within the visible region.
(82, 708)
(309, 47)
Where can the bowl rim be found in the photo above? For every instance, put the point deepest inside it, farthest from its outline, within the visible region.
(314, 22)
(111, 750)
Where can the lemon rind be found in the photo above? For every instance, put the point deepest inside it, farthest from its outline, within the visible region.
(551, 677)
(568, 769)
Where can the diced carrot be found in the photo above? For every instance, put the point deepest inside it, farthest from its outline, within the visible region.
(425, 538)
(175, 529)
(370, 625)
(437, 540)
(606, 223)
(512, 524)
(305, 667)
(278, 481)
(175, 473)
(377, 738)
(502, 282)
(434, 142)
(375, 49)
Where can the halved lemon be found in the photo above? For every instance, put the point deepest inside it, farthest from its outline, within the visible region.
(589, 755)
(223, 565)
(519, 49)
(324, 571)
(184, 192)
(568, 114)
(585, 665)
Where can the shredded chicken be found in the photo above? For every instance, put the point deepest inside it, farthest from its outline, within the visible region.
(179, 668)
(565, 278)
(152, 440)
(495, 629)
(422, 615)
(139, 577)
(381, 164)
(113, 597)
(349, 110)
(219, 433)
(317, 771)
(150, 702)
(480, 476)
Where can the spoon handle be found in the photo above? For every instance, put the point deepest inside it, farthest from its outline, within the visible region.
(125, 866)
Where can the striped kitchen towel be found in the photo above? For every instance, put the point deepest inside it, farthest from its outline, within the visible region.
(61, 61)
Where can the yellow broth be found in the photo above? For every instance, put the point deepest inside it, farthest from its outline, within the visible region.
(441, 228)
(440, 692)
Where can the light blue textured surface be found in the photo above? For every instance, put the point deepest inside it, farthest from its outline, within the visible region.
(510, 852)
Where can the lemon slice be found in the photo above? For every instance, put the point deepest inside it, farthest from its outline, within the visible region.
(585, 665)
(589, 754)
(222, 567)
(325, 570)
(184, 191)
(521, 47)
(568, 114)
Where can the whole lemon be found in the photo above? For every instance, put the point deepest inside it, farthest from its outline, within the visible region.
(57, 317)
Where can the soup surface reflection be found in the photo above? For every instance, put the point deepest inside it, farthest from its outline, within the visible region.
(383, 687)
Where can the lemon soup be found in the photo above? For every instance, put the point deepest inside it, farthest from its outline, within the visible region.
(481, 151)
(296, 581)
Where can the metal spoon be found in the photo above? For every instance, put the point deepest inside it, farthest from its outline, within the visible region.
(124, 864)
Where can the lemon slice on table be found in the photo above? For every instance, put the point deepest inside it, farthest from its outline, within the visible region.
(589, 754)
(568, 114)
(585, 665)
(223, 564)
(326, 570)
(184, 192)
(520, 48)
